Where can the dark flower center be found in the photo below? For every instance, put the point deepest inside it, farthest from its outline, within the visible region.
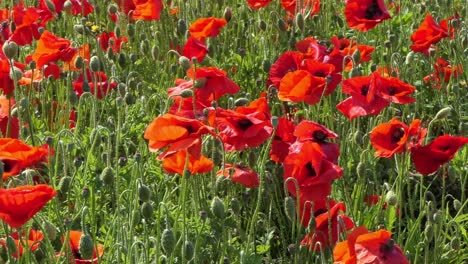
(387, 247)
(397, 134)
(320, 74)
(373, 11)
(244, 124)
(8, 165)
(392, 91)
(365, 90)
(310, 170)
(319, 135)
(319, 212)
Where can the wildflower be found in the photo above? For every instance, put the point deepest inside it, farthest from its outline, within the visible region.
(428, 33)
(363, 246)
(177, 162)
(32, 240)
(96, 82)
(147, 9)
(389, 138)
(74, 242)
(109, 39)
(18, 205)
(51, 48)
(6, 118)
(443, 73)
(195, 48)
(364, 15)
(206, 27)
(240, 174)
(294, 6)
(282, 140)
(301, 86)
(257, 4)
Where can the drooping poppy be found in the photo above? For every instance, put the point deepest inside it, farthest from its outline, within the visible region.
(96, 82)
(428, 33)
(32, 240)
(427, 159)
(363, 246)
(301, 86)
(389, 138)
(364, 15)
(51, 48)
(195, 48)
(17, 156)
(6, 119)
(443, 73)
(206, 27)
(177, 162)
(323, 223)
(176, 133)
(313, 172)
(240, 174)
(18, 205)
(257, 4)
(109, 39)
(74, 242)
(282, 140)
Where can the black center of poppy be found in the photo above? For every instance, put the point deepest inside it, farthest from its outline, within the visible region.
(392, 91)
(311, 172)
(319, 212)
(373, 11)
(320, 74)
(365, 90)
(244, 124)
(76, 253)
(319, 136)
(387, 247)
(8, 165)
(397, 134)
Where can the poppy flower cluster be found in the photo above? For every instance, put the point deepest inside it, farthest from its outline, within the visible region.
(396, 137)
(364, 15)
(371, 94)
(148, 10)
(443, 73)
(290, 6)
(32, 240)
(363, 246)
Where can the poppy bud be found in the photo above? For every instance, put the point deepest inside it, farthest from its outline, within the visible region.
(144, 47)
(235, 206)
(438, 217)
(391, 198)
(355, 72)
(15, 73)
(168, 241)
(186, 93)
(128, 98)
(122, 60)
(311, 225)
(217, 207)
(429, 232)
(228, 14)
(94, 63)
(86, 246)
(290, 208)
(339, 21)
(241, 101)
(409, 58)
(112, 9)
(50, 230)
(50, 6)
(443, 113)
(282, 25)
(144, 193)
(299, 20)
(64, 184)
(107, 176)
(67, 6)
(189, 250)
(181, 27)
(130, 30)
(147, 210)
(133, 57)
(79, 29)
(262, 25)
(361, 170)
(184, 62)
(457, 205)
(455, 243)
(11, 245)
(199, 83)
(356, 56)
(10, 49)
(154, 52)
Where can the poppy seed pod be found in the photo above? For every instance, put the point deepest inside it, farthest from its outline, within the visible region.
(217, 207)
(168, 241)
(443, 113)
(86, 246)
(147, 210)
(144, 193)
(290, 208)
(10, 49)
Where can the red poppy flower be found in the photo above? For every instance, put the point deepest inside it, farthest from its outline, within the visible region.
(248, 126)
(428, 33)
(183, 107)
(195, 48)
(257, 4)
(96, 82)
(206, 27)
(301, 86)
(33, 241)
(240, 174)
(18, 205)
(107, 40)
(51, 48)
(365, 247)
(443, 72)
(427, 159)
(288, 62)
(389, 138)
(84, 53)
(322, 232)
(6, 83)
(282, 140)
(364, 100)
(326, 71)
(81, 7)
(17, 156)
(212, 83)
(312, 131)
(177, 133)
(175, 163)
(147, 9)
(6, 118)
(416, 134)
(345, 47)
(314, 173)
(312, 49)
(395, 90)
(27, 22)
(291, 6)
(364, 15)
(74, 241)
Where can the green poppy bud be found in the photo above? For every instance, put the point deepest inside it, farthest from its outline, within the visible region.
(112, 9)
(86, 246)
(228, 14)
(189, 250)
(147, 210)
(186, 93)
(290, 208)
(15, 73)
(144, 193)
(391, 198)
(168, 241)
(355, 72)
(107, 176)
(282, 25)
(361, 170)
(184, 62)
(429, 232)
(10, 49)
(64, 184)
(443, 113)
(299, 20)
(241, 101)
(455, 243)
(67, 6)
(217, 207)
(356, 56)
(50, 230)
(50, 5)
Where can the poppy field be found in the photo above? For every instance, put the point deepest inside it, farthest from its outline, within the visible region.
(249, 131)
